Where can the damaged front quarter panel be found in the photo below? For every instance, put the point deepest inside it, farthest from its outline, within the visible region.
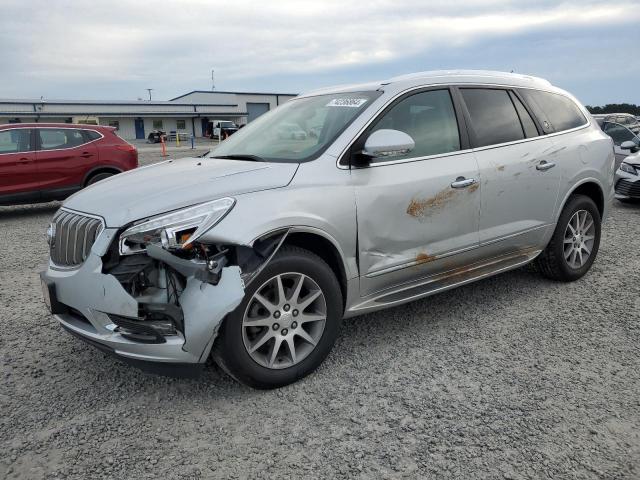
(204, 305)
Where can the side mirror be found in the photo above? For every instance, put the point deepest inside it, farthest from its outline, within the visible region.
(628, 145)
(388, 143)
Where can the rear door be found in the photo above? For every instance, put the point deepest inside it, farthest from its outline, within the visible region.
(64, 156)
(417, 213)
(18, 171)
(519, 190)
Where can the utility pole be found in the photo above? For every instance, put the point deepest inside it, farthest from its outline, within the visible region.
(149, 90)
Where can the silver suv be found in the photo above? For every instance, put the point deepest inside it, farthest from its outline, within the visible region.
(398, 190)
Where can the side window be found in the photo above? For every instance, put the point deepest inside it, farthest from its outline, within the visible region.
(528, 125)
(493, 116)
(15, 141)
(561, 111)
(429, 118)
(618, 133)
(59, 138)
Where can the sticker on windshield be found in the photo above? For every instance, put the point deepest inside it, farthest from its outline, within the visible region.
(347, 102)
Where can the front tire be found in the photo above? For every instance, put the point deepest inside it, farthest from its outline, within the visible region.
(575, 241)
(286, 324)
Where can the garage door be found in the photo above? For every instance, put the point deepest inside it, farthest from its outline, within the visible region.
(254, 110)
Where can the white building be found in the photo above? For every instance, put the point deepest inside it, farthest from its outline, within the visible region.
(189, 113)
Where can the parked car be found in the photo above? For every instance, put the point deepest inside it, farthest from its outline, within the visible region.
(627, 181)
(625, 119)
(40, 162)
(621, 135)
(221, 129)
(255, 253)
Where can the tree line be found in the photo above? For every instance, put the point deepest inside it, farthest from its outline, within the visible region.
(615, 108)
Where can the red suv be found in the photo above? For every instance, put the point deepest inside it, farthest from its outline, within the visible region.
(40, 162)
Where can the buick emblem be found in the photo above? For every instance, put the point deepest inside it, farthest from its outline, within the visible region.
(51, 235)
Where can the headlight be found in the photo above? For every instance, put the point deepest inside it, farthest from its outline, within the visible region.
(625, 167)
(175, 229)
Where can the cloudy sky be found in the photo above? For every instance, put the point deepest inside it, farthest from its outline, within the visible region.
(116, 49)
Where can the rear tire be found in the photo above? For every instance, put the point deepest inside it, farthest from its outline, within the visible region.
(575, 241)
(300, 335)
(97, 177)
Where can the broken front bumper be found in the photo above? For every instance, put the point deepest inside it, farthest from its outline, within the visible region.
(85, 301)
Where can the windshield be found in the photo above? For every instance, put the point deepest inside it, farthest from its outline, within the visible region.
(297, 131)
(227, 124)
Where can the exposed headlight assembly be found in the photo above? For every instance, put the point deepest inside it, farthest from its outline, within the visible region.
(625, 167)
(176, 229)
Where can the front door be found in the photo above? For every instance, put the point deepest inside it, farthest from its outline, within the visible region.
(139, 126)
(18, 170)
(417, 213)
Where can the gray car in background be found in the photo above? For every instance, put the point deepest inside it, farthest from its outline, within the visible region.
(397, 190)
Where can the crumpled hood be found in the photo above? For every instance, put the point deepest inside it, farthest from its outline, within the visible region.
(633, 159)
(174, 184)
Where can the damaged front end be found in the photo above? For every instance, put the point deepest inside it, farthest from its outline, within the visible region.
(156, 294)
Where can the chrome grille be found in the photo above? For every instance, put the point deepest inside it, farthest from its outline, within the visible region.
(73, 237)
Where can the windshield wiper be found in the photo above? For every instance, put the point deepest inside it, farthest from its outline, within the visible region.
(252, 158)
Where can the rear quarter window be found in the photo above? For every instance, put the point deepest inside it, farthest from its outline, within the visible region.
(92, 135)
(560, 111)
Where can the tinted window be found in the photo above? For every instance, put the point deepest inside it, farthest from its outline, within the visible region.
(493, 117)
(528, 125)
(560, 111)
(15, 141)
(619, 133)
(429, 118)
(59, 138)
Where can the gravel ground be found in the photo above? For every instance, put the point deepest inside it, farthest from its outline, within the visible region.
(511, 377)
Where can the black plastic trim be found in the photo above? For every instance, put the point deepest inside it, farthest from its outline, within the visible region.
(176, 370)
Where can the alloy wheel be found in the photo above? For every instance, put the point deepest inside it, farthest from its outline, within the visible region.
(579, 238)
(284, 320)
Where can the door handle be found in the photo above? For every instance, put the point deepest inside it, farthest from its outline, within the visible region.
(544, 165)
(86, 155)
(24, 161)
(462, 182)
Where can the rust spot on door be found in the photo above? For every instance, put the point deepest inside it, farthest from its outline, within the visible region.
(473, 188)
(424, 258)
(419, 207)
(501, 168)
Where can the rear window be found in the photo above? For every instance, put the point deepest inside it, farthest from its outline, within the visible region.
(60, 138)
(494, 118)
(560, 111)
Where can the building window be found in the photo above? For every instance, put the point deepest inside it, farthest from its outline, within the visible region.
(181, 124)
(157, 124)
(115, 124)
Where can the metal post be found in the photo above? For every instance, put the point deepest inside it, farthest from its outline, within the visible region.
(192, 145)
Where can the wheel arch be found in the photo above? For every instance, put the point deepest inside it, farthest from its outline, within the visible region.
(98, 170)
(323, 246)
(589, 187)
